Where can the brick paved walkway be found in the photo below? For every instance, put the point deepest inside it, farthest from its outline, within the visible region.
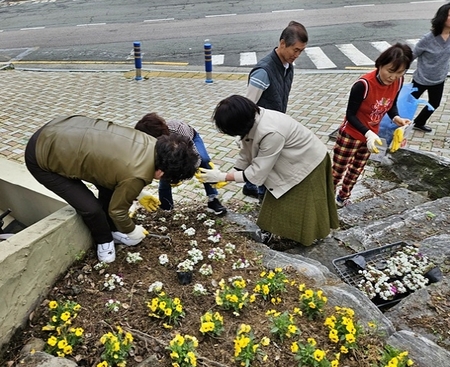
(318, 100)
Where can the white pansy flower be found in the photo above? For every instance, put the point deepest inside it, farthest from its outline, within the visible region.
(163, 259)
(155, 287)
(190, 231)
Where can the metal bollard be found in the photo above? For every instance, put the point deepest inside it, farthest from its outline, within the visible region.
(208, 62)
(137, 60)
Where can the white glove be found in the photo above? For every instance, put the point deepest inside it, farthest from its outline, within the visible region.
(138, 233)
(210, 175)
(133, 209)
(148, 201)
(371, 139)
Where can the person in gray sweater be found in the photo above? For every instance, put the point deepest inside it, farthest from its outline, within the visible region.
(433, 56)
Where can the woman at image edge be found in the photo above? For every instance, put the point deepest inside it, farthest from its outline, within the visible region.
(433, 55)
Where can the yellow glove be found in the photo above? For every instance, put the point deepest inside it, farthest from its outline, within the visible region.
(197, 174)
(149, 202)
(217, 185)
(397, 139)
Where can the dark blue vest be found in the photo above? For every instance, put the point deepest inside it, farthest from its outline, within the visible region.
(276, 96)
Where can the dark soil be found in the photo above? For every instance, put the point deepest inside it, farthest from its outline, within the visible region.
(85, 285)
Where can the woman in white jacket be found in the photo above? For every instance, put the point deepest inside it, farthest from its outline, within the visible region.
(289, 160)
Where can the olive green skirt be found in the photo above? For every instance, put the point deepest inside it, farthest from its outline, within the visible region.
(306, 212)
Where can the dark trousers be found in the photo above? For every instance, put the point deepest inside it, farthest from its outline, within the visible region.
(434, 98)
(250, 186)
(92, 210)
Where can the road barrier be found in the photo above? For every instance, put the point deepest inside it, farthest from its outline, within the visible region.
(137, 60)
(208, 62)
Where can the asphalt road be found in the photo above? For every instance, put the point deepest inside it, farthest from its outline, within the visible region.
(175, 31)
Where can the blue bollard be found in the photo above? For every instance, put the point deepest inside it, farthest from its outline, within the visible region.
(137, 60)
(208, 62)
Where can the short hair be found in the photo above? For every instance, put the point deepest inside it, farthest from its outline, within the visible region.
(176, 157)
(294, 32)
(439, 19)
(235, 115)
(153, 124)
(400, 55)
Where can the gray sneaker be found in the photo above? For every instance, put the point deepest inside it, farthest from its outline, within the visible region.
(263, 236)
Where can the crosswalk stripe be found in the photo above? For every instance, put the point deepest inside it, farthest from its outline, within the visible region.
(247, 58)
(218, 59)
(318, 57)
(412, 42)
(355, 56)
(381, 45)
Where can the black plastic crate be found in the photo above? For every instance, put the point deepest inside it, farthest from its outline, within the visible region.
(349, 274)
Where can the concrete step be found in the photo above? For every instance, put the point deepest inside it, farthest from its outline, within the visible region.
(426, 220)
(380, 205)
(375, 204)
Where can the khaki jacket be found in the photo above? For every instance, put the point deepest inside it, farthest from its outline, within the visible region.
(279, 152)
(115, 157)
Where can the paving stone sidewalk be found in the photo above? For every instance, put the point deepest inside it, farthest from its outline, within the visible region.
(318, 100)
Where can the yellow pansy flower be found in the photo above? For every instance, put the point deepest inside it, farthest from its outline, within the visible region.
(318, 355)
(52, 305)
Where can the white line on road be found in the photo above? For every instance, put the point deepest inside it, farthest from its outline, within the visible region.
(412, 42)
(24, 53)
(318, 57)
(158, 20)
(91, 24)
(220, 15)
(248, 58)
(358, 6)
(287, 10)
(31, 28)
(356, 56)
(426, 2)
(218, 59)
(381, 45)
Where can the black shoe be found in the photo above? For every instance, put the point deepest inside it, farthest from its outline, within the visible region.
(264, 236)
(423, 128)
(260, 198)
(216, 207)
(253, 192)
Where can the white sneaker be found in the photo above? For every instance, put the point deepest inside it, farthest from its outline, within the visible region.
(106, 252)
(123, 239)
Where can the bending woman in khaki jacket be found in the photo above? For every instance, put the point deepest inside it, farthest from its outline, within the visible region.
(118, 160)
(289, 160)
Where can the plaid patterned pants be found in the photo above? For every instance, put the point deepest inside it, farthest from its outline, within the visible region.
(349, 159)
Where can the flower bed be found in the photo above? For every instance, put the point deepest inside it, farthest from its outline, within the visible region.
(235, 312)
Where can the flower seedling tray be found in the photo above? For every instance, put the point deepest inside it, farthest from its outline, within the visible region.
(347, 267)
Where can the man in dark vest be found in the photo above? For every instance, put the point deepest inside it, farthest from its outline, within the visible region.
(270, 81)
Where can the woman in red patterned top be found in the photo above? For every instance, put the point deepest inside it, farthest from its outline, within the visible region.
(371, 97)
